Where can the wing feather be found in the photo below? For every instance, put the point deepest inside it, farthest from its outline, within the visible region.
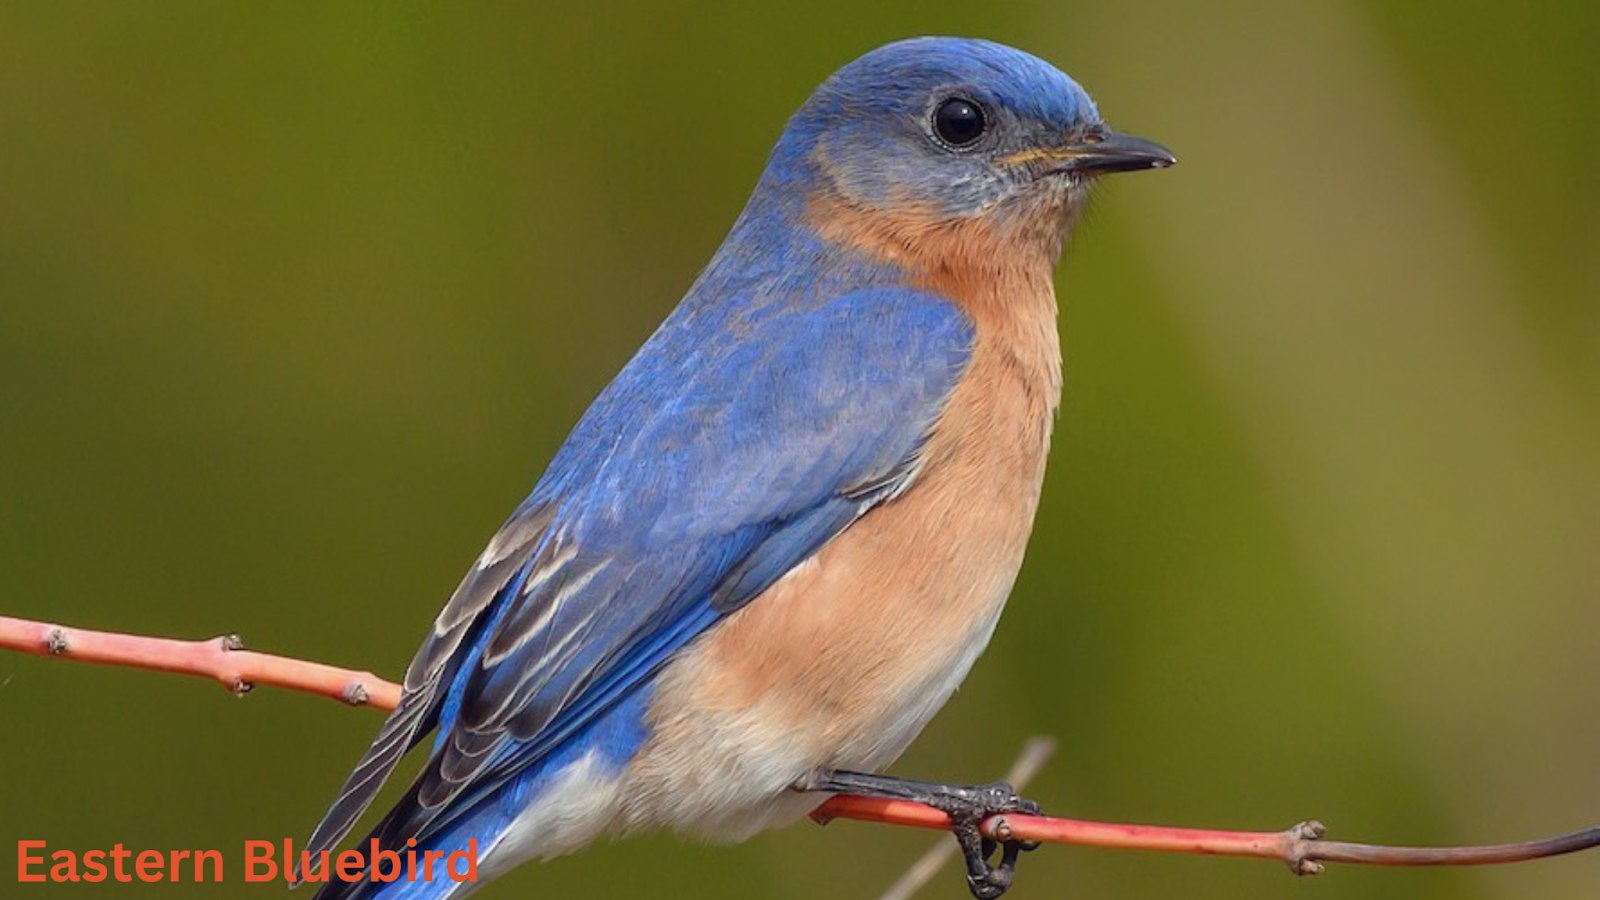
(440, 653)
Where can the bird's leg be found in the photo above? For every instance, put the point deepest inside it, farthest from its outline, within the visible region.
(967, 805)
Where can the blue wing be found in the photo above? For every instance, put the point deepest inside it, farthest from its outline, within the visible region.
(735, 444)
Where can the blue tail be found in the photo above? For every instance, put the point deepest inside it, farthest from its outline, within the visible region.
(611, 741)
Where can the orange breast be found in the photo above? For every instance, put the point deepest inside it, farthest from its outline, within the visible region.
(844, 660)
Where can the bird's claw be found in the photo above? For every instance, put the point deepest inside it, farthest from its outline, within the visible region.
(968, 806)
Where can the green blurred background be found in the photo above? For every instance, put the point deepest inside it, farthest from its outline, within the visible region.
(297, 299)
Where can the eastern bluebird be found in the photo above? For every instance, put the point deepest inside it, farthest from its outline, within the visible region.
(775, 544)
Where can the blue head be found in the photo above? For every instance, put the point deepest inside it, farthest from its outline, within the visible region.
(953, 128)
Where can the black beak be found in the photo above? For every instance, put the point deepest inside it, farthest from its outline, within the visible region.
(1103, 151)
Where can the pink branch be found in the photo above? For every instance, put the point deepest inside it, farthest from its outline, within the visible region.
(221, 658)
(239, 670)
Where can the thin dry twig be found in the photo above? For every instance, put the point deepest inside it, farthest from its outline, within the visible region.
(1300, 846)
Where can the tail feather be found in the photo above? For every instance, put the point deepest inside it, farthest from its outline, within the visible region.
(408, 873)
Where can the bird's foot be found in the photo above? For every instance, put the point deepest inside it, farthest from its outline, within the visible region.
(967, 805)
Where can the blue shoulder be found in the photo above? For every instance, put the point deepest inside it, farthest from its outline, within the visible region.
(757, 412)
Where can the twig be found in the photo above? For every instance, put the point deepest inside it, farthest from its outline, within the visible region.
(1301, 846)
(221, 658)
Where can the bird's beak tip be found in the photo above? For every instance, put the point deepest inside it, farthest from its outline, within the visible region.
(1112, 151)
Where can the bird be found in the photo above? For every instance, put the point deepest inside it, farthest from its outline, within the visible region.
(775, 544)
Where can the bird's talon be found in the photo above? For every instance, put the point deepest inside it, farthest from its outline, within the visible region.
(969, 806)
(984, 890)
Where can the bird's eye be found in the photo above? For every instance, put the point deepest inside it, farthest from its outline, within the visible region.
(959, 122)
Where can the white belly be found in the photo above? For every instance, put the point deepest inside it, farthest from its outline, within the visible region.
(723, 771)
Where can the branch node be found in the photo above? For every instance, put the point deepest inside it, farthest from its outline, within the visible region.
(356, 694)
(1002, 829)
(1298, 852)
(230, 642)
(1309, 830)
(239, 687)
(56, 643)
